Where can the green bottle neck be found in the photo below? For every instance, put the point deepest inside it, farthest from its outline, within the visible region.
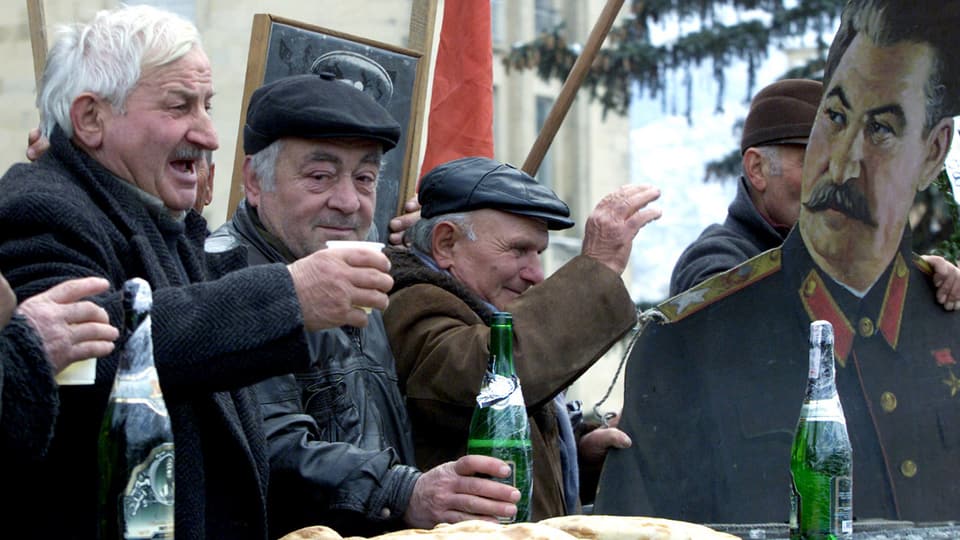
(501, 345)
(821, 383)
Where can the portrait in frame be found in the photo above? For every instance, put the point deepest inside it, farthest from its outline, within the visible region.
(392, 75)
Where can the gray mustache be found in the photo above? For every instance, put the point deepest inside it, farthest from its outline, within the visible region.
(844, 198)
(187, 153)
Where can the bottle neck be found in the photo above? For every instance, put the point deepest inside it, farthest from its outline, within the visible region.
(501, 347)
(821, 383)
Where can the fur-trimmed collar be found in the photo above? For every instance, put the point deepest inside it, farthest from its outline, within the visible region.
(407, 270)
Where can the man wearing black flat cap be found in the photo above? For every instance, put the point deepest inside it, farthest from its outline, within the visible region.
(476, 250)
(341, 450)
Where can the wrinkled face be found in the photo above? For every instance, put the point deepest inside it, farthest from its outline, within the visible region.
(867, 154)
(157, 143)
(504, 260)
(782, 197)
(326, 189)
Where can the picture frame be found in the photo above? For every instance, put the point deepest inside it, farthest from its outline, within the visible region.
(393, 75)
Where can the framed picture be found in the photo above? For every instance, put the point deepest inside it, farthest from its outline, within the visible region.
(392, 75)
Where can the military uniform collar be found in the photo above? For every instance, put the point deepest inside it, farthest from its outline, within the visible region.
(880, 311)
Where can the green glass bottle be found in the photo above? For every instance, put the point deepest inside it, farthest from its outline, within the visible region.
(499, 426)
(136, 443)
(821, 461)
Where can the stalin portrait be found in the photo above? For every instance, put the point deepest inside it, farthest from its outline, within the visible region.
(714, 385)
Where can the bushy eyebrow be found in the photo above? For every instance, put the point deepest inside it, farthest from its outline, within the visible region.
(894, 108)
(840, 94)
(373, 158)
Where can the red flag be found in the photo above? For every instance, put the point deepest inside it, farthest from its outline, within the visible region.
(460, 123)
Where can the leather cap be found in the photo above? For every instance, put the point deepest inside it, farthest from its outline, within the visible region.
(473, 183)
(315, 107)
(782, 113)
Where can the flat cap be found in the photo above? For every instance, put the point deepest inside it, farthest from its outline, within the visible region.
(315, 107)
(473, 183)
(782, 113)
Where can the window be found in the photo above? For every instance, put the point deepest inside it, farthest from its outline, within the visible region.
(545, 16)
(497, 22)
(545, 173)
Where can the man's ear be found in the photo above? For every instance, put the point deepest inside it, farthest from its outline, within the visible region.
(86, 114)
(251, 183)
(753, 169)
(445, 236)
(938, 145)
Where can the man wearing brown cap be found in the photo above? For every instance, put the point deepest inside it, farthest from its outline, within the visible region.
(340, 446)
(475, 251)
(767, 203)
(713, 388)
(768, 194)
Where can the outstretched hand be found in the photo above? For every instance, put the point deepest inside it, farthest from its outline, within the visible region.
(8, 302)
(71, 329)
(37, 144)
(451, 492)
(618, 217)
(400, 224)
(946, 278)
(334, 285)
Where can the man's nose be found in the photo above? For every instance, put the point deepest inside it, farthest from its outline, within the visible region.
(532, 271)
(344, 196)
(847, 156)
(202, 133)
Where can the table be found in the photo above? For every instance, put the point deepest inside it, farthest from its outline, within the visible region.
(872, 529)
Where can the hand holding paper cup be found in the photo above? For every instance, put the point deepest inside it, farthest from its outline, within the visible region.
(356, 244)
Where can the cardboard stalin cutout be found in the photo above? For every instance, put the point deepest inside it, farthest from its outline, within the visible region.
(714, 386)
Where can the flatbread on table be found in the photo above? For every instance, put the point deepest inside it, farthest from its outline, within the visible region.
(574, 527)
(479, 530)
(317, 532)
(599, 527)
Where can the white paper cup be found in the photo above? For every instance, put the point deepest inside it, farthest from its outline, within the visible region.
(78, 373)
(356, 244)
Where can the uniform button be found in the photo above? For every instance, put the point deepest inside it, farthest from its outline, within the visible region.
(866, 327)
(809, 287)
(888, 401)
(385, 513)
(908, 468)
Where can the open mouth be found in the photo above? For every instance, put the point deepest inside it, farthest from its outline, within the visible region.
(187, 166)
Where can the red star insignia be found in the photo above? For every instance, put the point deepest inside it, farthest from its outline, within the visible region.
(943, 357)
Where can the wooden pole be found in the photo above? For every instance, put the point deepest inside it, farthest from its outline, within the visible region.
(426, 20)
(38, 37)
(570, 86)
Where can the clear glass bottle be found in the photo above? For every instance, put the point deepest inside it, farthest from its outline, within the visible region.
(136, 448)
(821, 462)
(499, 426)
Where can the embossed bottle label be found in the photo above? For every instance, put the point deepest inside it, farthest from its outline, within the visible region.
(148, 498)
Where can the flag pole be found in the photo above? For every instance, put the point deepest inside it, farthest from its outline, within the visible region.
(38, 37)
(570, 86)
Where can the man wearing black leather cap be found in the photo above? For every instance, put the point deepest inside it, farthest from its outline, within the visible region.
(476, 250)
(341, 451)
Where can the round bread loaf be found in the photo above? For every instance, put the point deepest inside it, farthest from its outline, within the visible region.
(600, 527)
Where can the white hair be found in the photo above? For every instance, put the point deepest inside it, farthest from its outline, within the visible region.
(264, 165)
(107, 57)
(420, 234)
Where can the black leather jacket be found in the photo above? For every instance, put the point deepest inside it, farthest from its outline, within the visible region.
(349, 395)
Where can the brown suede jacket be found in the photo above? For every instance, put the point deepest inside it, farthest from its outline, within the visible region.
(439, 335)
